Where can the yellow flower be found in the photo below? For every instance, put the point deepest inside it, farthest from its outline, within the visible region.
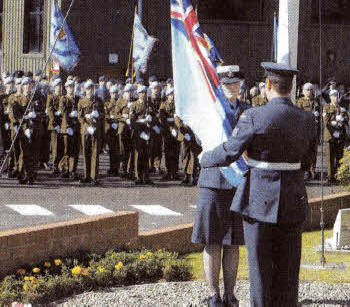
(76, 270)
(101, 270)
(118, 266)
(36, 270)
(58, 262)
(33, 279)
(21, 271)
(149, 254)
(25, 287)
(26, 278)
(84, 272)
(142, 256)
(47, 264)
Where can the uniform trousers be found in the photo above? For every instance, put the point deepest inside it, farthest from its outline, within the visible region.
(91, 146)
(334, 152)
(274, 253)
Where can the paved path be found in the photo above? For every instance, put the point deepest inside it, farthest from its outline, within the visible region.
(52, 200)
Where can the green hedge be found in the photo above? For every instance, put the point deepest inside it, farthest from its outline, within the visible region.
(343, 173)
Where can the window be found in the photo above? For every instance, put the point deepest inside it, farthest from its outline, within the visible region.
(1, 18)
(333, 12)
(33, 26)
(234, 10)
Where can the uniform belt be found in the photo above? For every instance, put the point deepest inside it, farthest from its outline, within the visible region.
(273, 166)
(141, 121)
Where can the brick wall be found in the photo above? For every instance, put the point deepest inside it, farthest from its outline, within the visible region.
(96, 234)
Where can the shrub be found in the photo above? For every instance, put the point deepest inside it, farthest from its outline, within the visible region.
(343, 173)
(177, 270)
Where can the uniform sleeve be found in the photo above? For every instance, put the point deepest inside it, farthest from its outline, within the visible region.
(228, 152)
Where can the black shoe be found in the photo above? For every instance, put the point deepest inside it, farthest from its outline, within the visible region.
(138, 182)
(175, 177)
(149, 182)
(31, 181)
(95, 183)
(11, 175)
(65, 175)
(56, 172)
(85, 180)
(194, 181)
(166, 177)
(313, 175)
(186, 180)
(22, 180)
(230, 303)
(215, 301)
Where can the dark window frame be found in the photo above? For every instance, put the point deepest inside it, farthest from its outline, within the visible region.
(206, 18)
(33, 28)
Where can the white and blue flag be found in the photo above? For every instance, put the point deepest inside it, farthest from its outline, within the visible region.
(142, 46)
(66, 52)
(199, 98)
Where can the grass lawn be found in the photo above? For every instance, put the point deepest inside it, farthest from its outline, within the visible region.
(309, 254)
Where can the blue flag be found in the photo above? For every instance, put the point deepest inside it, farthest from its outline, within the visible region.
(214, 53)
(66, 52)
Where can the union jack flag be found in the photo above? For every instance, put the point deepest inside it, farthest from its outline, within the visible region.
(199, 99)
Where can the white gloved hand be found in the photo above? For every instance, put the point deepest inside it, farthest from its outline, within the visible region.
(342, 109)
(6, 111)
(349, 147)
(91, 130)
(26, 116)
(336, 134)
(187, 137)
(112, 117)
(73, 114)
(32, 115)
(115, 126)
(200, 156)
(156, 129)
(128, 121)
(15, 128)
(149, 118)
(58, 129)
(28, 133)
(95, 114)
(144, 136)
(88, 116)
(58, 113)
(316, 113)
(174, 133)
(129, 104)
(340, 118)
(333, 123)
(70, 131)
(171, 120)
(7, 126)
(46, 112)
(125, 115)
(324, 114)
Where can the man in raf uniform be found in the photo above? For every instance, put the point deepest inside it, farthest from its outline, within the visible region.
(91, 118)
(308, 103)
(70, 129)
(170, 135)
(140, 122)
(335, 120)
(154, 102)
(261, 99)
(55, 118)
(272, 196)
(111, 131)
(5, 124)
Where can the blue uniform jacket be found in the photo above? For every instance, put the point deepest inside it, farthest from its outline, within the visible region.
(277, 132)
(212, 177)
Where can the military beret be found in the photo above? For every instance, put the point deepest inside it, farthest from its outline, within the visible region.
(8, 80)
(69, 82)
(142, 89)
(129, 87)
(26, 80)
(38, 73)
(113, 81)
(18, 81)
(278, 69)
(19, 74)
(114, 89)
(128, 81)
(89, 83)
(57, 81)
(333, 92)
(169, 91)
(28, 74)
(308, 86)
(152, 79)
(102, 78)
(154, 84)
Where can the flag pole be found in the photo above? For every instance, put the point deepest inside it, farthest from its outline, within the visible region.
(35, 90)
(131, 48)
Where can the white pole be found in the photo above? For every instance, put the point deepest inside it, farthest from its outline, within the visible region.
(139, 12)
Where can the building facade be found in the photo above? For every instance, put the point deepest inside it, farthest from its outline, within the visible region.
(242, 31)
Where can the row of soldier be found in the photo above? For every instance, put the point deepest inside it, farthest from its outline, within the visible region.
(135, 122)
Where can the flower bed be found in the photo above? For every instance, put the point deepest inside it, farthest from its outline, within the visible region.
(58, 278)
(343, 173)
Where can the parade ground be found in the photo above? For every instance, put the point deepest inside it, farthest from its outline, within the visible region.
(53, 199)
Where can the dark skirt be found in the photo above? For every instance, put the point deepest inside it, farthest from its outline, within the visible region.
(214, 222)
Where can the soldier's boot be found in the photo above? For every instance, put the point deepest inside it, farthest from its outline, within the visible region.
(194, 180)
(186, 179)
(138, 181)
(166, 177)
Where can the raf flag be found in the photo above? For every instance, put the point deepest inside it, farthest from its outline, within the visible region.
(142, 46)
(215, 56)
(66, 52)
(199, 98)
